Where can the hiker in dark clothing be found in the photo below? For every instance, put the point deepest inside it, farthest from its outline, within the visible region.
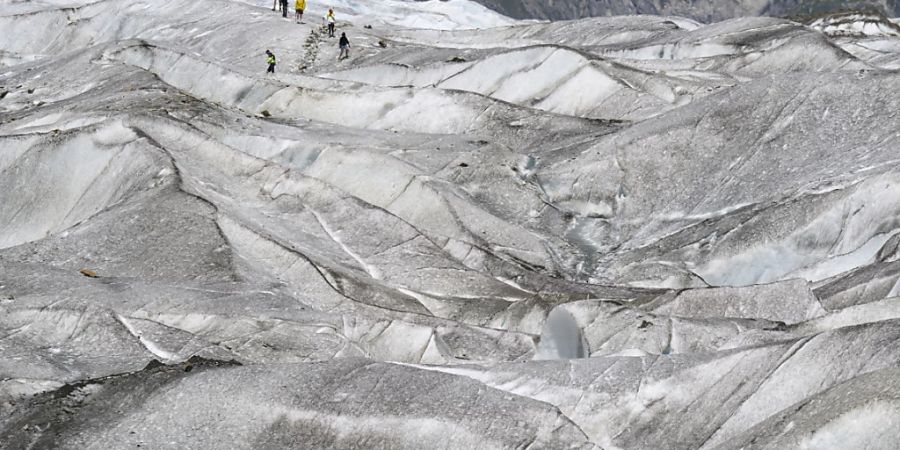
(270, 59)
(284, 8)
(344, 43)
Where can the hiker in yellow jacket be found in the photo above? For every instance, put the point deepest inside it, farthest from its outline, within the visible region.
(329, 20)
(300, 5)
(270, 60)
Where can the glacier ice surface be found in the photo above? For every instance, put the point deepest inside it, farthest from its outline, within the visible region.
(476, 232)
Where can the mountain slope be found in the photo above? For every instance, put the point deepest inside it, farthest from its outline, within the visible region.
(705, 11)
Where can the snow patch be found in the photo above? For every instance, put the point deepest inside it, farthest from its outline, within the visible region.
(874, 426)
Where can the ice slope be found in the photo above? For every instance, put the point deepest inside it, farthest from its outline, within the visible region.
(547, 78)
(657, 178)
(430, 14)
(704, 399)
(871, 38)
(632, 69)
(312, 405)
(856, 24)
(631, 232)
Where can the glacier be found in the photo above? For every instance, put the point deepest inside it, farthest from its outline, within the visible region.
(629, 232)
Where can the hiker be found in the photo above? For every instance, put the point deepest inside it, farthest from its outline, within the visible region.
(284, 8)
(270, 59)
(300, 5)
(329, 19)
(344, 43)
(276, 3)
